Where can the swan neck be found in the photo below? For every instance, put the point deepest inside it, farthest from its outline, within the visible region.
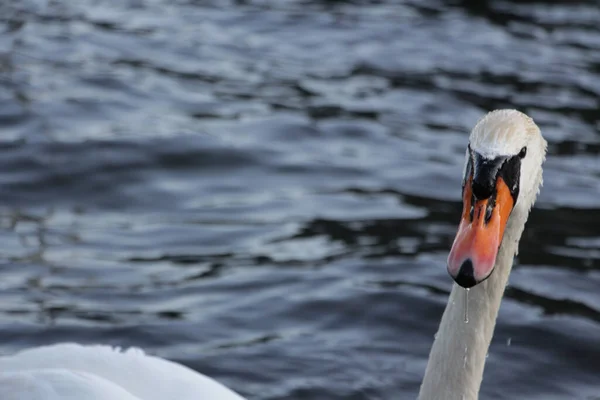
(457, 358)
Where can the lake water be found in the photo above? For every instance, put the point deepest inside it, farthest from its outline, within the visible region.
(267, 190)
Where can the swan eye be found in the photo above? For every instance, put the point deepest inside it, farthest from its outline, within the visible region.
(523, 153)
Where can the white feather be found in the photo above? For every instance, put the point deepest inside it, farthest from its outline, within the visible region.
(55, 384)
(72, 371)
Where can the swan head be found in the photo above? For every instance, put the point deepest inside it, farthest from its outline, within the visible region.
(502, 177)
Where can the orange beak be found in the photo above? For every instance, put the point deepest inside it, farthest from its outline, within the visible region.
(479, 236)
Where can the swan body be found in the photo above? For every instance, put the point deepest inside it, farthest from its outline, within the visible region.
(457, 358)
(71, 371)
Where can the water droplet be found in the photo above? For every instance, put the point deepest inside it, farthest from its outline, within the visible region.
(508, 341)
(435, 335)
(466, 306)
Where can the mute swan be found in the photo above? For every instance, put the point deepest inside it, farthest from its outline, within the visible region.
(501, 180)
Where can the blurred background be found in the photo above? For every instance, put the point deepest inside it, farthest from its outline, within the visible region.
(267, 190)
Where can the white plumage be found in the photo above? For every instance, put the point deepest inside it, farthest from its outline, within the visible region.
(72, 371)
(64, 384)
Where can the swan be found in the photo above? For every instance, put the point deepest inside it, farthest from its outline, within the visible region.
(501, 180)
(69, 371)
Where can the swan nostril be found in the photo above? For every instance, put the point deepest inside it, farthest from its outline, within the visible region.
(466, 275)
(488, 213)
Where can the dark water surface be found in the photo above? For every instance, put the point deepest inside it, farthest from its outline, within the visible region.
(267, 190)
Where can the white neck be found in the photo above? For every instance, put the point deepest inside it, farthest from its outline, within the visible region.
(457, 358)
